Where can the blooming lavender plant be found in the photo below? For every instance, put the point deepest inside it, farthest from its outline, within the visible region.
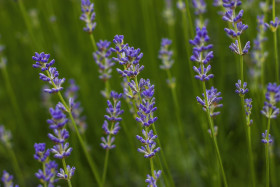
(152, 180)
(7, 180)
(113, 118)
(46, 175)
(88, 15)
(248, 108)
(199, 10)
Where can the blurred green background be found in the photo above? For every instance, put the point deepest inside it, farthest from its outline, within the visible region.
(54, 27)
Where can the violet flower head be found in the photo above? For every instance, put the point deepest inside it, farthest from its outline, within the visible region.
(248, 109)
(152, 181)
(128, 57)
(266, 138)
(7, 179)
(213, 99)
(41, 153)
(66, 175)
(5, 136)
(88, 15)
(103, 60)
(201, 54)
(199, 6)
(241, 89)
(273, 25)
(49, 174)
(111, 125)
(165, 55)
(76, 109)
(50, 74)
(272, 97)
(231, 4)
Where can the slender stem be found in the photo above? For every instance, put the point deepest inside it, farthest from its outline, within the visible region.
(65, 169)
(152, 168)
(44, 170)
(267, 153)
(251, 157)
(105, 166)
(93, 42)
(16, 166)
(89, 159)
(213, 135)
(276, 55)
(177, 107)
(107, 89)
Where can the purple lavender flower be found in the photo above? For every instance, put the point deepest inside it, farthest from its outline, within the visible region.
(76, 109)
(235, 48)
(49, 175)
(272, 97)
(66, 175)
(88, 15)
(114, 111)
(231, 4)
(266, 139)
(241, 89)
(41, 153)
(273, 26)
(51, 76)
(152, 181)
(201, 55)
(103, 60)
(248, 108)
(7, 179)
(165, 55)
(199, 6)
(5, 136)
(213, 99)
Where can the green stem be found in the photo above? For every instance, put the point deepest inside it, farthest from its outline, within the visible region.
(93, 42)
(267, 153)
(177, 107)
(251, 157)
(105, 166)
(65, 169)
(16, 166)
(152, 167)
(276, 55)
(89, 159)
(44, 170)
(213, 135)
(107, 89)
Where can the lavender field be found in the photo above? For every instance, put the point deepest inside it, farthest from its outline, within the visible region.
(115, 93)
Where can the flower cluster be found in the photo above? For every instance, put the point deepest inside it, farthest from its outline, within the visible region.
(258, 54)
(165, 55)
(7, 180)
(46, 175)
(51, 76)
(211, 101)
(266, 138)
(241, 89)
(248, 108)
(168, 13)
(273, 25)
(103, 60)
(272, 97)
(199, 6)
(128, 57)
(201, 54)
(152, 180)
(5, 136)
(88, 15)
(71, 94)
(238, 26)
(114, 111)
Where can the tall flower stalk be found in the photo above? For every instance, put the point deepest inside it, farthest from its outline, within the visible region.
(235, 32)
(165, 55)
(211, 98)
(141, 95)
(111, 127)
(50, 74)
(270, 111)
(5, 140)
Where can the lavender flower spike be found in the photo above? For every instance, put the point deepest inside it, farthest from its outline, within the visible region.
(265, 139)
(50, 74)
(272, 97)
(88, 15)
(113, 118)
(213, 99)
(241, 89)
(7, 179)
(273, 26)
(152, 181)
(248, 108)
(165, 55)
(66, 175)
